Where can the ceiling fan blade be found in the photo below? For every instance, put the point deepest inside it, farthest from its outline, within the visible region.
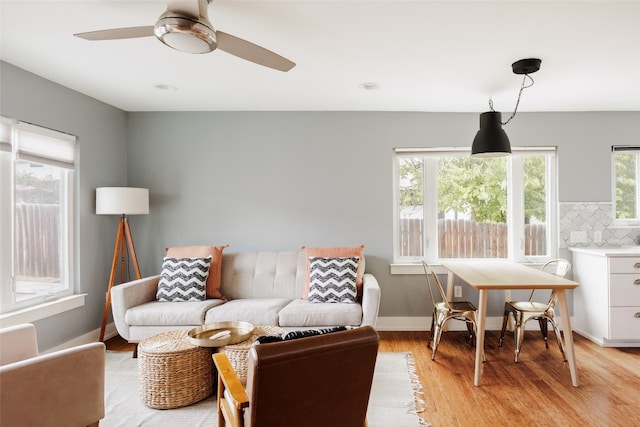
(252, 52)
(117, 33)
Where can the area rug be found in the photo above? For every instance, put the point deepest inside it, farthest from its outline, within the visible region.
(395, 397)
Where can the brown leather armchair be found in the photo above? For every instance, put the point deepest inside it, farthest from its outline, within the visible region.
(316, 381)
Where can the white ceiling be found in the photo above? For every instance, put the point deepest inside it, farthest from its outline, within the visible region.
(446, 56)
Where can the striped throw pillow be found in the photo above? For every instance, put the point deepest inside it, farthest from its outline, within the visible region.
(333, 279)
(183, 279)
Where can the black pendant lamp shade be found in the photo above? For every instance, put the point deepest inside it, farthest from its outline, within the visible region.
(491, 140)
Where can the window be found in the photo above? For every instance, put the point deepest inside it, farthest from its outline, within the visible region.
(36, 214)
(626, 188)
(449, 205)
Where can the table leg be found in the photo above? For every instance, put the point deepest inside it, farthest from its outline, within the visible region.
(568, 335)
(450, 279)
(482, 316)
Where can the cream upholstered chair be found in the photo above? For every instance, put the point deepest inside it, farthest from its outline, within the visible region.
(523, 311)
(317, 381)
(443, 310)
(62, 388)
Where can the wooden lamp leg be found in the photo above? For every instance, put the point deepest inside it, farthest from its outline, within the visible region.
(123, 239)
(132, 249)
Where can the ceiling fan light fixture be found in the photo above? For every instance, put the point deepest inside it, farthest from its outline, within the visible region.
(185, 27)
(185, 34)
(491, 140)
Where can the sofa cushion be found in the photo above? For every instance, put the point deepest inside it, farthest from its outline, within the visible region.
(213, 281)
(333, 279)
(302, 313)
(166, 313)
(257, 311)
(335, 252)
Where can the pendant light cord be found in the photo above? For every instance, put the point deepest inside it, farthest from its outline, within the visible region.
(515, 110)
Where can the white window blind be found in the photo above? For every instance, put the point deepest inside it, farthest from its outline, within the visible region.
(45, 146)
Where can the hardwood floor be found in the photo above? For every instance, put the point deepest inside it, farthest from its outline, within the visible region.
(537, 391)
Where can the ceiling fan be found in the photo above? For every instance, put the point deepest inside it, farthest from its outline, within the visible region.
(185, 26)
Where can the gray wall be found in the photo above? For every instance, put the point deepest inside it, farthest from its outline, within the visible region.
(102, 137)
(274, 180)
(279, 180)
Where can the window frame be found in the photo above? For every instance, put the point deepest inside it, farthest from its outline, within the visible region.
(515, 202)
(63, 157)
(633, 222)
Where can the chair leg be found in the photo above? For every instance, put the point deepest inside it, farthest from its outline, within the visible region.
(544, 330)
(472, 333)
(437, 333)
(433, 321)
(558, 338)
(505, 320)
(518, 334)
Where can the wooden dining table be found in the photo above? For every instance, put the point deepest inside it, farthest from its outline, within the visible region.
(487, 275)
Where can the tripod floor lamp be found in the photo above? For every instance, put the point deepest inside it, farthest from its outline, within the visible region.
(121, 201)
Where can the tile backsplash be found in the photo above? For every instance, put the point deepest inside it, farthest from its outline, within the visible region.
(587, 220)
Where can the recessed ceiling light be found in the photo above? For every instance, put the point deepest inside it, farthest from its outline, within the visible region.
(369, 86)
(165, 87)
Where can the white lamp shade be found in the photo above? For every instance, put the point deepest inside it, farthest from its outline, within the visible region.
(122, 201)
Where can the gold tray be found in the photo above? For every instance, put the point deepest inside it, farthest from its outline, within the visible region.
(201, 336)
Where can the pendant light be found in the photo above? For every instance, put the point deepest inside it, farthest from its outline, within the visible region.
(491, 140)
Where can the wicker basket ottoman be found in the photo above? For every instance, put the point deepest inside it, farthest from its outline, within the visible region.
(238, 354)
(172, 372)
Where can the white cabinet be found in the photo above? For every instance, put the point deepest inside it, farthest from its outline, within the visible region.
(606, 305)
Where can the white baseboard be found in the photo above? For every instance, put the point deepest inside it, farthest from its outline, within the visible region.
(89, 337)
(603, 342)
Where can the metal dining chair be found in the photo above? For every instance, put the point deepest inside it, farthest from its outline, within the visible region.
(523, 311)
(443, 310)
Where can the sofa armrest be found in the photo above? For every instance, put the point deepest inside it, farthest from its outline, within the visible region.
(63, 388)
(128, 295)
(370, 300)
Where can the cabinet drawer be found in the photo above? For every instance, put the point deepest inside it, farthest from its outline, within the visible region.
(624, 290)
(624, 264)
(624, 323)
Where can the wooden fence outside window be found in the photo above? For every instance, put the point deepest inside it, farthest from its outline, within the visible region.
(461, 238)
(37, 231)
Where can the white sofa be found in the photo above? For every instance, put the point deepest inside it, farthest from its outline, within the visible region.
(262, 288)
